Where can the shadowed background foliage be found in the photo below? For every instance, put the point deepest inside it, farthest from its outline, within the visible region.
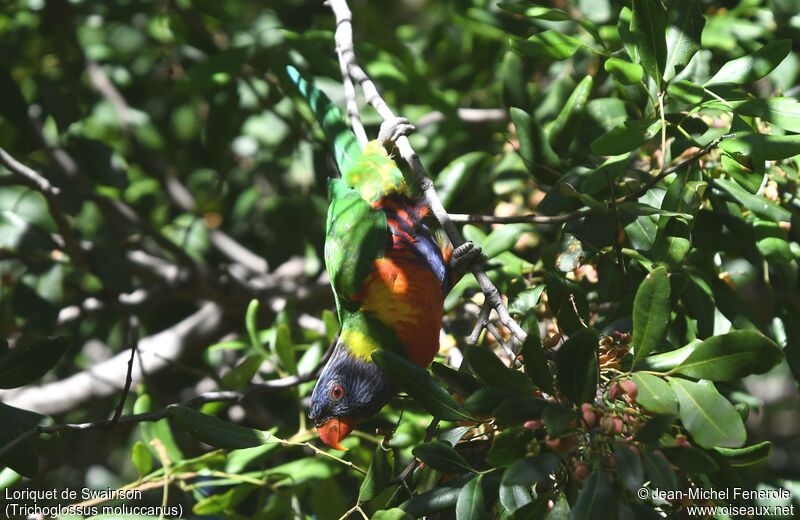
(184, 182)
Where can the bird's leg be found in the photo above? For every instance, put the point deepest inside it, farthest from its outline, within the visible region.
(392, 129)
(466, 255)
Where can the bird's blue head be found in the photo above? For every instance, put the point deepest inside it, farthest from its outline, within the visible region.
(349, 390)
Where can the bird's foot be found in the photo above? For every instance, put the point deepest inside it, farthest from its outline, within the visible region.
(466, 255)
(392, 129)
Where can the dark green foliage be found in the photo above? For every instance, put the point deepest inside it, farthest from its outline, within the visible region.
(657, 144)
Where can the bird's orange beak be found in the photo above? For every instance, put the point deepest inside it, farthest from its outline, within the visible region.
(334, 430)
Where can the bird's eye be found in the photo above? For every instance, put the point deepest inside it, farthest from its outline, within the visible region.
(337, 392)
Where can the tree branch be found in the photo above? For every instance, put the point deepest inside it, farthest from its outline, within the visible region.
(206, 397)
(463, 218)
(133, 339)
(104, 379)
(466, 115)
(50, 194)
(346, 53)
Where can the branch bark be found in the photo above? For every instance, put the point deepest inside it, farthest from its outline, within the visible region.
(156, 353)
(346, 53)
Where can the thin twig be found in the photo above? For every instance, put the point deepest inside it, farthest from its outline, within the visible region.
(51, 196)
(198, 400)
(533, 218)
(672, 169)
(133, 339)
(346, 52)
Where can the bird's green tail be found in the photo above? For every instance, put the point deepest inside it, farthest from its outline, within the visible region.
(346, 149)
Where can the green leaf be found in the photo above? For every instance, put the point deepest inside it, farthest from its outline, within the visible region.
(485, 364)
(559, 419)
(561, 510)
(754, 66)
(441, 457)
(782, 112)
(509, 446)
(250, 321)
(513, 409)
(630, 468)
(653, 429)
(141, 458)
(687, 92)
(658, 471)
(238, 460)
(640, 208)
(758, 205)
(708, 416)
(690, 459)
(470, 504)
(624, 71)
(216, 432)
(626, 137)
(762, 146)
(651, 311)
(331, 325)
(655, 394)
(27, 363)
(529, 470)
(526, 300)
(419, 384)
(503, 238)
(668, 360)
(562, 130)
(748, 455)
(16, 421)
(535, 359)
(283, 347)
(8, 477)
(241, 375)
(536, 11)
(461, 382)
(548, 44)
(686, 24)
(378, 475)
(523, 125)
(649, 25)
(731, 356)
(458, 180)
(570, 255)
(392, 514)
(437, 499)
(596, 499)
(576, 362)
(156, 430)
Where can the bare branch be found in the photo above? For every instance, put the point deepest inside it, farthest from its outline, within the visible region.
(466, 115)
(133, 339)
(672, 169)
(104, 379)
(50, 194)
(179, 194)
(346, 52)
(533, 218)
(206, 397)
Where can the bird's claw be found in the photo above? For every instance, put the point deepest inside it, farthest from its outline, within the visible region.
(466, 255)
(394, 128)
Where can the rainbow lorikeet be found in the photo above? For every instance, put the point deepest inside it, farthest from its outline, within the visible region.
(389, 275)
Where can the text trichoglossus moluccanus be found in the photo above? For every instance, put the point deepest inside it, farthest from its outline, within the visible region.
(389, 275)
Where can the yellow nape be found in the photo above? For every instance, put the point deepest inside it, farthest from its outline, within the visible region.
(375, 174)
(360, 345)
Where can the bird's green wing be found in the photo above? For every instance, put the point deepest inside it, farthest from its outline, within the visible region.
(356, 236)
(346, 149)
